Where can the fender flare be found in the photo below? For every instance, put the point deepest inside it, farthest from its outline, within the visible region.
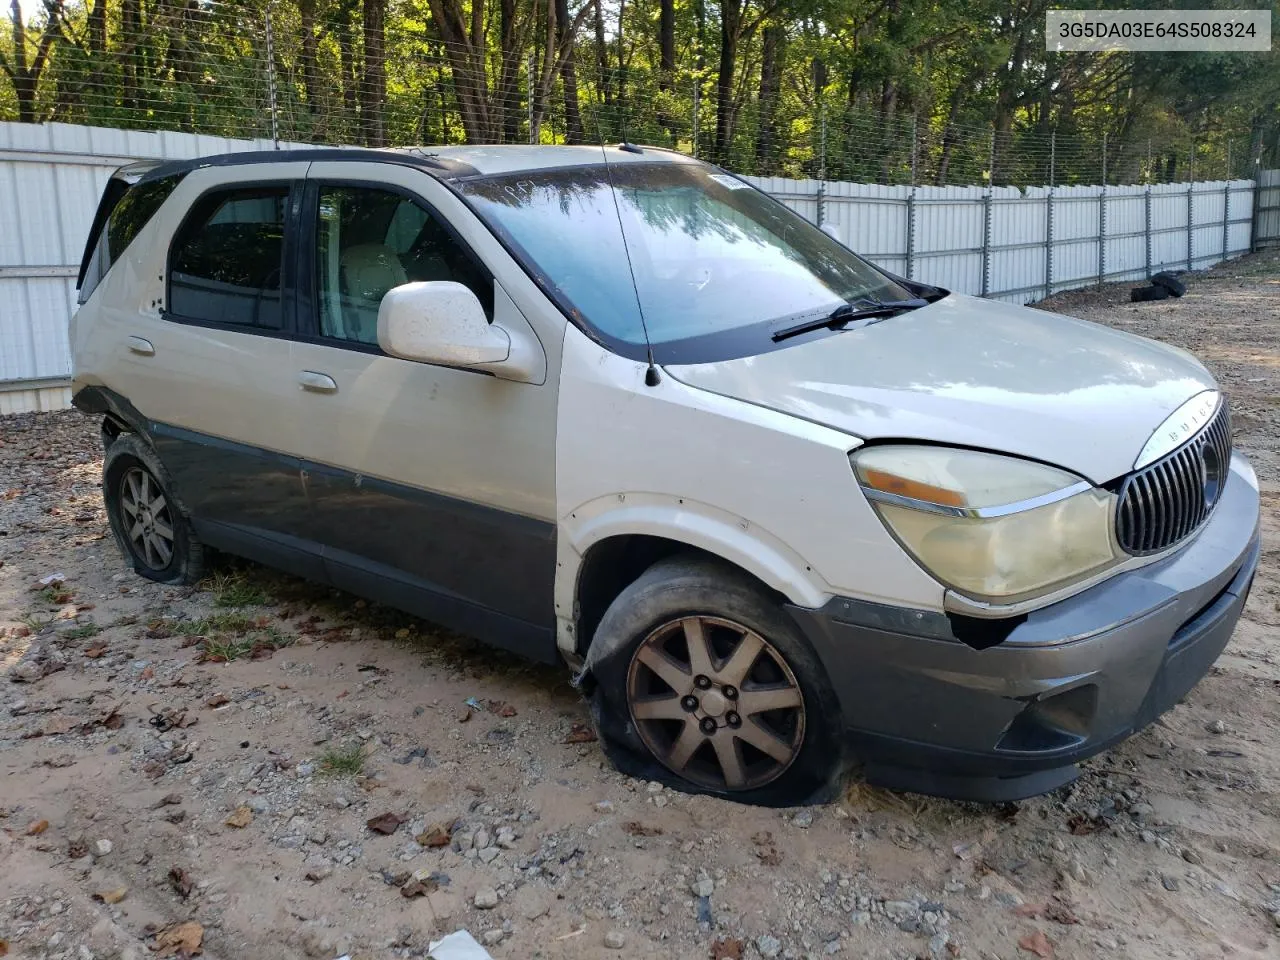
(733, 539)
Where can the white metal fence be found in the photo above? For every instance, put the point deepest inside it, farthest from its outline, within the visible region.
(1267, 209)
(1006, 243)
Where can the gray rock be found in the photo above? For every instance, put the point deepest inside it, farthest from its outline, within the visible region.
(1169, 882)
(101, 848)
(803, 819)
(1216, 727)
(481, 839)
(486, 898)
(1192, 856)
(491, 938)
(860, 918)
(615, 940)
(938, 946)
(489, 854)
(897, 910)
(703, 887)
(768, 946)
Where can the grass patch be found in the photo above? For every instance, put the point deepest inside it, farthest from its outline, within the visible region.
(236, 590)
(35, 622)
(234, 623)
(344, 761)
(83, 632)
(56, 594)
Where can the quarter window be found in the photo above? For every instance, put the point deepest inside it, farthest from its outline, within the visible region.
(133, 210)
(369, 241)
(226, 263)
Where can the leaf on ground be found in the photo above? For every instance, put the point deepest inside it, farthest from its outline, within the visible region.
(436, 835)
(111, 896)
(37, 827)
(217, 700)
(1059, 912)
(180, 940)
(385, 823)
(1081, 826)
(501, 708)
(4, 948)
(727, 948)
(1037, 943)
(58, 725)
(637, 829)
(77, 848)
(419, 888)
(94, 652)
(1029, 910)
(168, 800)
(242, 817)
(181, 882)
(580, 733)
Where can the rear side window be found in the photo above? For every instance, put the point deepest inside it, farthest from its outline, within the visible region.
(225, 263)
(131, 212)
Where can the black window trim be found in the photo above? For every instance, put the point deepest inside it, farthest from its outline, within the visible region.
(288, 281)
(307, 296)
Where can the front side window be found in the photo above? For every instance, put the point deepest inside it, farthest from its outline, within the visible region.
(225, 264)
(369, 241)
(716, 265)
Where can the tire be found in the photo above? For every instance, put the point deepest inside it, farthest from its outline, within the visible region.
(727, 609)
(1144, 294)
(1171, 283)
(166, 550)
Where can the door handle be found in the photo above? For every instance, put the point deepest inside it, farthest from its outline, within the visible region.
(317, 382)
(141, 346)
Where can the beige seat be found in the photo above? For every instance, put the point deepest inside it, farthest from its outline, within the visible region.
(368, 271)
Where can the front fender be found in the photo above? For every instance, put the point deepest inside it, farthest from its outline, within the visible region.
(731, 538)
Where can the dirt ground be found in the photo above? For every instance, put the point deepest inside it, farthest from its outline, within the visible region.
(201, 767)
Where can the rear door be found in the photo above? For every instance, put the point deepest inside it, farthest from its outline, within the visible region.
(433, 487)
(200, 332)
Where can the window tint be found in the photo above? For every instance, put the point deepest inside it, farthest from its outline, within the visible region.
(369, 241)
(225, 264)
(129, 215)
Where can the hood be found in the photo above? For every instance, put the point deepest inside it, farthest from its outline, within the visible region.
(976, 373)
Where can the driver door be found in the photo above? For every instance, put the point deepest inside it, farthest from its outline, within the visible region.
(432, 488)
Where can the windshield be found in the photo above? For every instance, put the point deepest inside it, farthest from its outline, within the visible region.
(717, 264)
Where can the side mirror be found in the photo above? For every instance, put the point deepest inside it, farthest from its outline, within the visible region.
(439, 322)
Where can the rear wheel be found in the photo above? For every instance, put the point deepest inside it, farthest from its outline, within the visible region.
(703, 682)
(148, 525)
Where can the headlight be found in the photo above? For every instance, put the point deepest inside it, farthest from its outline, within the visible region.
(995, 528)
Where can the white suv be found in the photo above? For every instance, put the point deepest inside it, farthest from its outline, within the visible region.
(780, 509)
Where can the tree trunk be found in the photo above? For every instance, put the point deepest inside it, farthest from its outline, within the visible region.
(508, 78)
(666, 43)
(374, 88)
(23, 74)
(310, 77)
(602, 57)
(347, 67)
(770, 88)
(131, 31)
(98, 29)
(466, 60)
(730, 24)
(569, 75)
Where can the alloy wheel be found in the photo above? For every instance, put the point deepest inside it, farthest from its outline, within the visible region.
(147, 520)
(716, 703)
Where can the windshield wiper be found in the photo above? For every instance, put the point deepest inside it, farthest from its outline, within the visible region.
(863, 309)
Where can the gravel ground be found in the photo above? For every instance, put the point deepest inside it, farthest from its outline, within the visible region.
(189, 769)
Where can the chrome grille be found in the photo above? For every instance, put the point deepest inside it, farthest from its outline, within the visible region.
(1168, 500)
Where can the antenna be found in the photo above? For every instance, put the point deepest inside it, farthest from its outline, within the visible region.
(651, 376)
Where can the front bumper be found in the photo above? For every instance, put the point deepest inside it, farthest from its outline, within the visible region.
(928, 713)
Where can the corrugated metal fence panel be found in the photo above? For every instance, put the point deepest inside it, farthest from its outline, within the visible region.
(1126, 254)
(51, 176)
(1268, 227)
(948, 237)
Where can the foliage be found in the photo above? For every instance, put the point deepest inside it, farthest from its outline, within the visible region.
(888, 91)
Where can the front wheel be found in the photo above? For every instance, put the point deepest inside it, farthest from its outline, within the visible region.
(702, 682)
